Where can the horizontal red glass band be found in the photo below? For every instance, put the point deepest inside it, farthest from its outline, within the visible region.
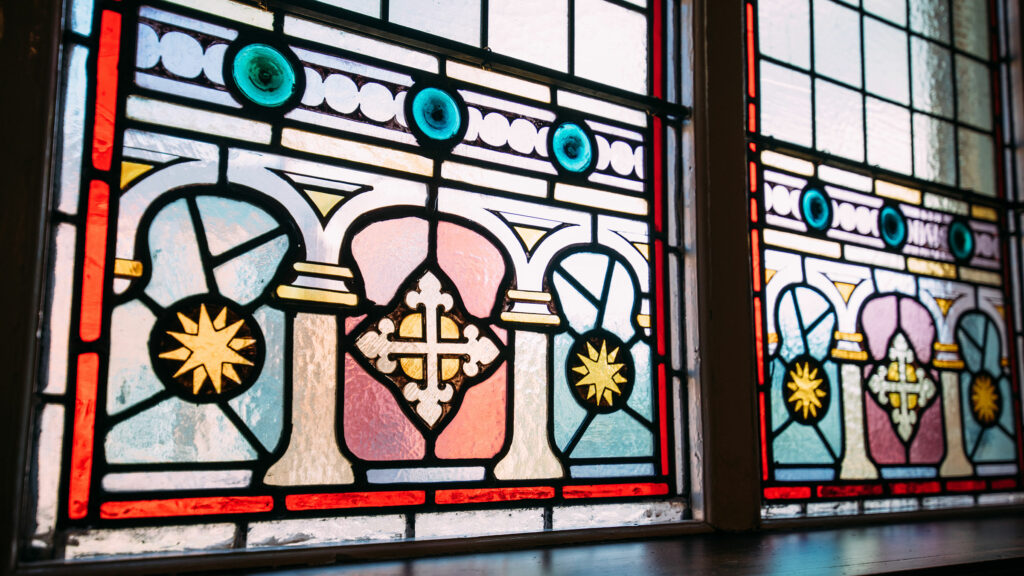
(965, 485)
(186, 507)
(787, 492)
(1004, 484)
(354, 500)
(899, 488)
(614, 490)
(82, 443)
(847, 491)
(470, 496)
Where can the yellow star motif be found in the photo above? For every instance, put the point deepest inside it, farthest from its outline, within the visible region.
(209, 349)
(806, 389)
(600, 374)
(985, 399)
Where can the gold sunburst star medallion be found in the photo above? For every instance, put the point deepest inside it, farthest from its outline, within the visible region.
(808, 386)
(207, 350)
(986, 403)
(600, 371)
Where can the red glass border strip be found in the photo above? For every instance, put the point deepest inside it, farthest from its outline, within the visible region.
(614, 490)
(354, 500)
(477, 495)
(106, 89)
(91, 309)
(186, 507)
(663, 417)
(764, 431)
(751, 78)
(965, 485)
(1004, 484)
(82, 443)
(901, 488)
(850, 491)
(787, 493)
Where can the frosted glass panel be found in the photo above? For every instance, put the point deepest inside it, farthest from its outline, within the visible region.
(892, 10)
(457, 20)
(837, 42)
(931, 18)
(970, 26)
(885, 61)
(973, 95)
(785, 104)
(368, 7)
(839, 120)
(888, 136)
(931, 67)
(934, 149)
(785, 31)
(977, 162)
(611, 45)
(533, 30)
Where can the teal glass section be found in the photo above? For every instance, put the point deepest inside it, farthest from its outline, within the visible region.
(572, 147)
(436, 113)
(263, 75)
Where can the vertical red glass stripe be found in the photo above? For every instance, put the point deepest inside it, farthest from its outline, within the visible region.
(752, 118)
(81, 444)
(753, 210)
(764, 440)
(758, 340)
(95, 260)
(659, 179)
(659, 294)
(751, 78)
(106, 89)
(753, 178)
(663, 417)
(755, 255)
(657, 39)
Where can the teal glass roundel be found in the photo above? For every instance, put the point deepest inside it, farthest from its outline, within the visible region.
(816, 209)
(892, 226)
(436, 114)
(961, 240)
(264, 75)
(572, 147)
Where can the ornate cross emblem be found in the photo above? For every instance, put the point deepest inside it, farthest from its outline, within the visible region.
(902, 386)
(429, 349)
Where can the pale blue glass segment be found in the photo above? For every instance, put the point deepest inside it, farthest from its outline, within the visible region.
(611, 470)
(229, 223)
(243, 279)
(930, 18)
(417, 475)
(791, 341)
(907, 472)
(568, 414)
(784, 31)
(800, 444)
(837, 42)
(779, 414)
(786, 104)
(977, 162)
(934, 149)
(640, 398)
(578, 310)
(931, 77)
(885, 61)
(589, 270)
(618, 307)
(839, 120)
(971, 337)
(456, 20)
(262, 406)
(81, 16)
(536, 31)
(819, 332)
(995, 446)
(615, 435)
(973, 94)
(831, 425)
(610, 45)
(73, 127)
(174, 252)
(177, 431)
(147, 47)
(130, 377)
(805, 474)
(971, 26)
(888, 132)
(894, 11)
(993, 350)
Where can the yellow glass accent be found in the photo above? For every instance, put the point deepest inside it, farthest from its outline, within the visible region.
(980, 276)
(317, 295)
(945, 304)
(411, 326)
(644, 320)
(894, 399)
(528, 296)
(768, 275)
(806, 387)
(600, 373)
(773, 338)
(356, 152)
(324, 202)
(984, 213)
(931, 268)
(323, 269)
(127, 268)
(911, 374)
(911, 401)
(210, 349)
(644, 249)
(897, 192)
(984, 399)
(796, 165)
(943, 347)
(530, 236)
(1004, 361)
(845, 289)
(449, 368)
(802, 243)
(595, 198)
(528, 318)
(893, 374)
(1001, 309)
(413, 367)
(849, 336)
(849, 354)
(948, 364)
(449, 329)
(132, 170)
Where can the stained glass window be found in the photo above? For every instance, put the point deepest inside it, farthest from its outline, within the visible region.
(359, 271)
(884, 254)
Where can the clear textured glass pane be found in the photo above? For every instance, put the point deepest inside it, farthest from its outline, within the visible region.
(970, 26)
(973, 93)
(839, 120)
(888, 136)
(931, 69)
(892, 10)
(931, 18)
(785, 30)
(785, 104)
(934, 150)
(977, 162)
(368, 7)
(885, 61)
(533, 30)
(457, 20)
(611, 45)
(837, 42)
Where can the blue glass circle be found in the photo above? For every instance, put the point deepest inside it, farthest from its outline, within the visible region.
(892, 226)
(436, 114)
(816, 209)
(263, 75)
(961, 240)
(572, 147)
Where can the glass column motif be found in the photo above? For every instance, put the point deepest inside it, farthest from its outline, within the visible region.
(311, 286)
(884, 260)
